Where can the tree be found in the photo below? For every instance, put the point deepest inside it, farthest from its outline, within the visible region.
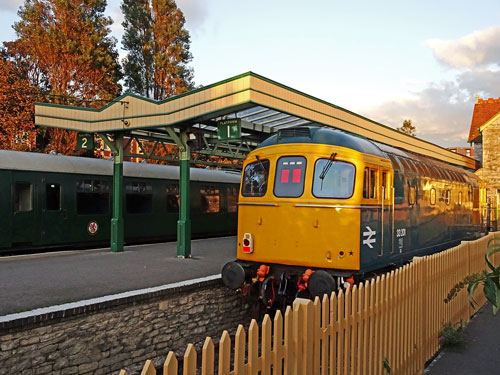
(158, 49)
(70, 55)
(17, 97)
(407, 128)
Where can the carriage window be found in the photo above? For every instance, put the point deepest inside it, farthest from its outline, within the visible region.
(139, 198)
(52, 197)
(173, 198)
(92, 197)
(334, 181)
(23, 197)
(433, 196)
(412, 195)
(255, 179)
(232, 199)
(370, 183)
(210, 200)
(460, 198)
(290, 176)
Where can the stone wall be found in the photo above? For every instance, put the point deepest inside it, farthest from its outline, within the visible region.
(491, 157)
(104, 337)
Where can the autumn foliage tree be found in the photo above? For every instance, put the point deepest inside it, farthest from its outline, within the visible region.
(157, 46)
(69, 53)
(407, 128)
(17, 97)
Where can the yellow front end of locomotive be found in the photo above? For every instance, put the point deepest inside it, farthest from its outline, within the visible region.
(309, 229)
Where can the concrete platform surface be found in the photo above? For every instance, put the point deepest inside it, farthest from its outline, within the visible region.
(481, 352)
(40, 280)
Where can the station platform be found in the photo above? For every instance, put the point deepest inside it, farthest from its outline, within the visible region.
(34, 281)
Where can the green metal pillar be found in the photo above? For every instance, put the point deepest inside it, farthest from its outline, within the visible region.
(117, 224)
(184, 223)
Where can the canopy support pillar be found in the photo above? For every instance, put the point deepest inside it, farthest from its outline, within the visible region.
(117, 221)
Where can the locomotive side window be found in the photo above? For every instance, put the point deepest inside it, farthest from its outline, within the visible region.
(232, 199)
(370, 183)
(173, 198)
(92, 197)
(335, 182)
(255, 179)
(52, 197)
(139, 198)
(23, 197)
(412, 195)
(210, 200)
(385, 184)
(290, 176)
(433, 196)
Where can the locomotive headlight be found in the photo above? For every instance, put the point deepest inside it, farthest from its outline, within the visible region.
(247, 243)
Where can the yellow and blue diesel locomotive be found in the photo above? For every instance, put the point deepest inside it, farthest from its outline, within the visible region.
(319, 208)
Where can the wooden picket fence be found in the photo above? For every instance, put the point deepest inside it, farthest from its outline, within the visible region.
(386, 325)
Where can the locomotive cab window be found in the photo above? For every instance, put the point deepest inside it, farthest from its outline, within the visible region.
(139, 198)
(23, 197)
(255, 179)
(52, 197)
(370, 183)
(290, 176)
(333, 179)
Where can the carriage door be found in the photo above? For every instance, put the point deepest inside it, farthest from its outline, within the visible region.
(54, 215)
(387, 212)
(25, 220)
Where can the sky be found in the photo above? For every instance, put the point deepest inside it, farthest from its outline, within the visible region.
(387, 60)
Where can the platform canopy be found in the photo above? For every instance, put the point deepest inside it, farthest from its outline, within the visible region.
(264, 107)
(220, 122)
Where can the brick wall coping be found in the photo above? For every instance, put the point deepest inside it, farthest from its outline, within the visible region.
(96, 304)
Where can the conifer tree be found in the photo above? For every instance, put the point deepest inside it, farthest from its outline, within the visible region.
(67, 48)
(158, 49)
(407, 128)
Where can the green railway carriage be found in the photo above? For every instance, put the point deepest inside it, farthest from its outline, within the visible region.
(346, 207)
(55, 200)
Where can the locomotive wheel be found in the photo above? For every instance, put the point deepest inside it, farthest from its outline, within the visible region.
(320, 283)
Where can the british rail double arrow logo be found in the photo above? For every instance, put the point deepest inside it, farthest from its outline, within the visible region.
(370, 239)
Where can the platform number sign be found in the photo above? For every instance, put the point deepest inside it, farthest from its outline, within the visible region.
(85, 141)
(229, 129)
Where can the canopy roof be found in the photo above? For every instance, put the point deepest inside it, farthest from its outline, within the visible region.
(264, 107)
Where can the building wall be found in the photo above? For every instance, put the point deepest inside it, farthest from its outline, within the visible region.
(106, 337)
(491, 157)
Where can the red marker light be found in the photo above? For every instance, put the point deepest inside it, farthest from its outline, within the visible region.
(247, 243)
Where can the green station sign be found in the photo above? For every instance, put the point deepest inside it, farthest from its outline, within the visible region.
(229, 129)
(85, 141)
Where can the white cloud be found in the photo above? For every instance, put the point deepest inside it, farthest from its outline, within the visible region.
(10, 5)
(478, 49)
(195, 12)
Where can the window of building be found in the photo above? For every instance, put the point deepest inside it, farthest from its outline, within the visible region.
(290, 176)
(210, 200)
(23, 197)
(255, 178)
(139, 198)
(333, 179)
(52, 197)
(92, 197)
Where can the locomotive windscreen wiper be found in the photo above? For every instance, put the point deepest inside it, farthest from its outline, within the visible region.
(327, 167)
